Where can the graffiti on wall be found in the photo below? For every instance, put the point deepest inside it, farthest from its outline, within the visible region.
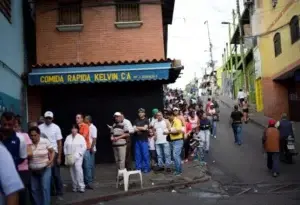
(7, 103)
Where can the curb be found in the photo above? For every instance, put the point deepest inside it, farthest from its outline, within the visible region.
(250, 120)
(118, 195)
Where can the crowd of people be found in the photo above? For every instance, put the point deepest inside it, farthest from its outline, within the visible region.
(172, 136)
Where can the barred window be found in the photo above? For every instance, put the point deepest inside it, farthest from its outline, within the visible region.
(127, 12)
(294, 28)
(5, 9)
(277, 44)
(69, 12)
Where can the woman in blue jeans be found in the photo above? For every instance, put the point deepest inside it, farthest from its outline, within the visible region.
(236, 123)
(40, 166)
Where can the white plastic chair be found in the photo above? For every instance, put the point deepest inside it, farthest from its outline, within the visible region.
(125, 174)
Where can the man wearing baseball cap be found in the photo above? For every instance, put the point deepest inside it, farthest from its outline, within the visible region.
(142, 158)
(53, 133)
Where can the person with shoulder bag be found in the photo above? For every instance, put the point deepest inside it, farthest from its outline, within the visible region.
(74, 149)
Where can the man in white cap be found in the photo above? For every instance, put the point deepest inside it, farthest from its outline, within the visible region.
(119, 134)
(53, 133)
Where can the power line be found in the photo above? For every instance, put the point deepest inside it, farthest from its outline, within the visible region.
(271, 31)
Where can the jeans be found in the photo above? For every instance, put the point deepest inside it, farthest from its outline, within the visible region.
(273, 161)
(93, 165)
(56, 178)
(163, 154)
(205, 137)
(142, 157)
(237, 131)
(200, 154)
(177, 148)
(214, 128)
(87, 171)
(41, 187)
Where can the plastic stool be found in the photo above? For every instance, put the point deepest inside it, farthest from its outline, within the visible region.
(126, 175)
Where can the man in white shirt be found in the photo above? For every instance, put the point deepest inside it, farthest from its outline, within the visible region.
(93, 139)
(241, 96)
(53, 133)
(128, 161)
(162, 146)
(10, 182)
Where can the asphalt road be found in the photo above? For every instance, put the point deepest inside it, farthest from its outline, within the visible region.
(239, 171)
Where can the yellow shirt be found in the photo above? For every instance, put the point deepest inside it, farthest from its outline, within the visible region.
(177, 125)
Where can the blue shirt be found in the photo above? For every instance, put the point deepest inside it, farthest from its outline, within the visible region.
(13, 145)
(10, 181)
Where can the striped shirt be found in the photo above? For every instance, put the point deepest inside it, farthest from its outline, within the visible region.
(40, 154)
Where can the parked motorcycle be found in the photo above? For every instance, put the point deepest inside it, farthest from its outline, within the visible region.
(290, 149)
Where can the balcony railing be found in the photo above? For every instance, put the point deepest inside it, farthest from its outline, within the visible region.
(127, 12)
(69, 14)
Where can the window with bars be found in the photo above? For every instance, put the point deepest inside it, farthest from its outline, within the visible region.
(69, 13)
(294, 28)
(5, 9)
(277, 44)
(127, 12)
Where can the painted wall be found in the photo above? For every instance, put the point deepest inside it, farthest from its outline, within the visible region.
(219, 76)
(275, 94)
(280, 16)
(11, 59)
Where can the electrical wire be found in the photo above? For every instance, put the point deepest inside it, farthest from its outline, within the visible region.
(271, 31)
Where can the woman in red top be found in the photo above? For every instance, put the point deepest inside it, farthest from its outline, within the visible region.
(187, 138)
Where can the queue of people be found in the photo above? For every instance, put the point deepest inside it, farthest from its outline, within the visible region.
(35, 158)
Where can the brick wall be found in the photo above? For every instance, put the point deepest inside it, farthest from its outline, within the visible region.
(100, 40)
(275, 98)
(34, 103)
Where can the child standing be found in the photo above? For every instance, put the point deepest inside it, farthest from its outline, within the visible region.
(151, 144)
(199, 139)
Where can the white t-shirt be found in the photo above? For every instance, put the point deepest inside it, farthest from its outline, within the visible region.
(52, 132)
(93, 134)
(151, 143)
(241, 95)
(160, 127)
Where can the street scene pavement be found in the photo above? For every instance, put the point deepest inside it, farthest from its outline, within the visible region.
(239, 175)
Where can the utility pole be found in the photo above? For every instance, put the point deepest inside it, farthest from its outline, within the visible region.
(212, 63)
(242, 44)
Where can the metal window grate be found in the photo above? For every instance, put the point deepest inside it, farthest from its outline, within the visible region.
(69, 14)
(127, 12)
(5, 9)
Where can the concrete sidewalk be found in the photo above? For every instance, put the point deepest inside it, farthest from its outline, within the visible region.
(259, 118)
(105, 183)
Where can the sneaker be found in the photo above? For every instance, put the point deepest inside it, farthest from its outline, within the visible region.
(89, 186)
(177, 174)
(81, 191)
(215, 137)
(186, 161)
(169, 170)
(74, 190)
(275, 174)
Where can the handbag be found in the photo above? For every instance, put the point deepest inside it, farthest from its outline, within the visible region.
(215, 117)
(69, 160)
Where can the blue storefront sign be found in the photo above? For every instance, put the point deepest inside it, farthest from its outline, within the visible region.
(79, 75)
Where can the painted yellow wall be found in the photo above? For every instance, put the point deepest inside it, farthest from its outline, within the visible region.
(219, 76)
(272, 65)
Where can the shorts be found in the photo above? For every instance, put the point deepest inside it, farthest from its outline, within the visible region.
(246, 110)
(242, 100)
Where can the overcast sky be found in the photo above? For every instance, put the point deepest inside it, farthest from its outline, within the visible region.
(188, 38)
